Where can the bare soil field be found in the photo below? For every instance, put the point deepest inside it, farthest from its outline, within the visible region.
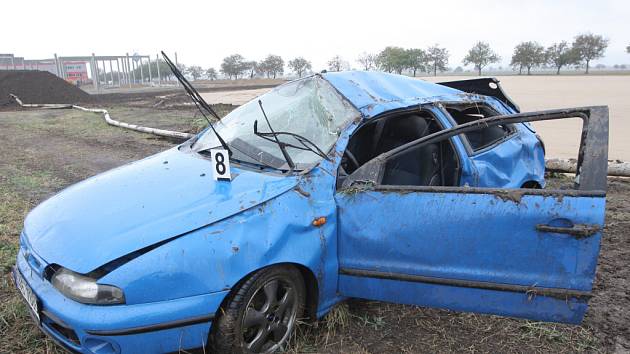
(236, 97)
(201, 85)
(43, 151)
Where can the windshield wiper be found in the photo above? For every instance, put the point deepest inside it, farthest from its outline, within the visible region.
(281, 145)
(197, 100)
(307, 145)
(254, 155)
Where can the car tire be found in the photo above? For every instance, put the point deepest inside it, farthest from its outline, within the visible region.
(261, 312)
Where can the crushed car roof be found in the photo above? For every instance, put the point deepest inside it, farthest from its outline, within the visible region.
(375, 92)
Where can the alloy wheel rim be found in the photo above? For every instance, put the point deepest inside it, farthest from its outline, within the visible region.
(269, 316)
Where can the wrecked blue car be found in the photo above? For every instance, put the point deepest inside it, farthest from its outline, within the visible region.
(351, 184)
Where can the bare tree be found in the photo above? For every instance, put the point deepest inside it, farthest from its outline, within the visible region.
(233, 66)
(337, 63)
(528, 55)
(195, 71)
(300, 65)
(437, 59)
(252, 68)
(272, 66)
(560, 54)
(367, 60)
(481, 55)
(628, 49)
(589, 47)
(211, 74)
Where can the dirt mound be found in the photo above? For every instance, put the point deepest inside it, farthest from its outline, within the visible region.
(38, 87)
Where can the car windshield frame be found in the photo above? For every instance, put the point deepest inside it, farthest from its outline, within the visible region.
(310, 107)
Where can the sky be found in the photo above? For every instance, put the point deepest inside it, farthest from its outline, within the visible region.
(203, 32)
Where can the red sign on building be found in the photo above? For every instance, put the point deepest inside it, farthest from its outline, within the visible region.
(76, 71)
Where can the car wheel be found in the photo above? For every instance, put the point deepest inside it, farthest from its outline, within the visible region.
(261, 313)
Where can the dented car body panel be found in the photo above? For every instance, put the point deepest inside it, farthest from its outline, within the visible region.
(141, 204)
(510, 164)
(177, 242)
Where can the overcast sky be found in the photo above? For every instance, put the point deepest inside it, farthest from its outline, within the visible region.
(204, 32)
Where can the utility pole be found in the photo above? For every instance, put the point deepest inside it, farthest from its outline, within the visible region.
(94, 66)
(157, 63)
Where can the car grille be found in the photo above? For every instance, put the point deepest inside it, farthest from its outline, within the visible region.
(61, 329)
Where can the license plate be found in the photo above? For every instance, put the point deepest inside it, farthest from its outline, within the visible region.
(26, 292)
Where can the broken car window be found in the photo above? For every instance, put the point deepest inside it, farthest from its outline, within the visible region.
(432, 165)
(309, 107)
(483, 138)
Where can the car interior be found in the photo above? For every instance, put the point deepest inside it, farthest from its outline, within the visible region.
(434, 164)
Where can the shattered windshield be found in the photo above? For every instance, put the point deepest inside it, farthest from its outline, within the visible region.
(309, 107)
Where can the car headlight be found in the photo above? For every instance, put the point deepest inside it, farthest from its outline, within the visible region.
(85, 289)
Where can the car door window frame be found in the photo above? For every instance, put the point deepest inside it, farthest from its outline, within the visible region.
(434, 110)
(470, 151)
(592, 162)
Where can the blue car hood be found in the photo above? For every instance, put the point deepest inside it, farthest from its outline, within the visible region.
(139, 204)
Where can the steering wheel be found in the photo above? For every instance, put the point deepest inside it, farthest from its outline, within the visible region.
(349, 156)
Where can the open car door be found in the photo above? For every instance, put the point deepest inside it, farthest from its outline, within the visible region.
(527, 253)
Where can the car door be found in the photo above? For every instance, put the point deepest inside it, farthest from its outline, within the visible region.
(527, 253)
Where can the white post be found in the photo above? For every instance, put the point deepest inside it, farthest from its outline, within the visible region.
(111, 71)
(150, 75)
(133, 70)
(57, 65)
(94, 66)
(127, 62)
(124, 70)
(141, 73)
(157, 63)
(118, 70)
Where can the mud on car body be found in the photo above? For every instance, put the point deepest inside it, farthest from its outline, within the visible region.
(158, 256)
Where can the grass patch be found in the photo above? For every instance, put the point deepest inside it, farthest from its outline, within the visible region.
(13, 208)
(8, 251)
(18, 334)
(578, 338)
(324, 335)
(26, 183)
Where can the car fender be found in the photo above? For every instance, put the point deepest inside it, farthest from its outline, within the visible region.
(215, 258)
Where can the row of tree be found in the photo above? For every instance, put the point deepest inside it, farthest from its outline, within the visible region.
(584, 49)
(527, 56)
(397, 59)
(235, 66)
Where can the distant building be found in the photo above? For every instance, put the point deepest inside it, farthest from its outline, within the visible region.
(10, 62)
(75, 71)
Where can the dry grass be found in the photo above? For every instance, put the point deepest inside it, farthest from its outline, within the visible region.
(358, 326)
(18, 334)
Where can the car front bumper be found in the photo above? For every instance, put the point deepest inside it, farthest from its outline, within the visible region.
(157, 327)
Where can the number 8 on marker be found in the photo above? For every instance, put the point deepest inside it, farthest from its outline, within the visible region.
(221, 162)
